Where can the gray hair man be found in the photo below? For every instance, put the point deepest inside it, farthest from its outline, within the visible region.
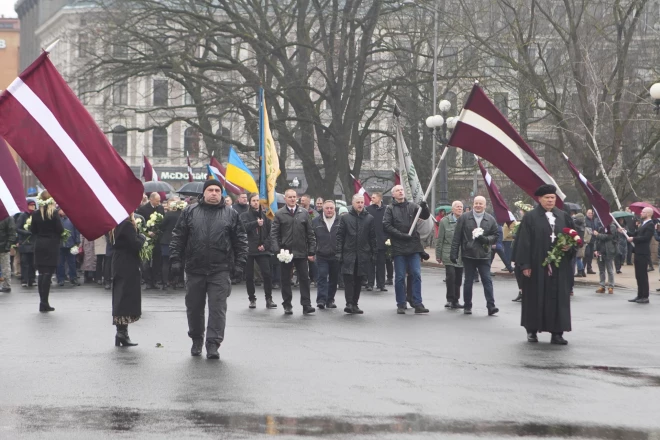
(210, 239)
(454, 271)
(327, 265)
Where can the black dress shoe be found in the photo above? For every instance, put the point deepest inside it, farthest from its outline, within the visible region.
(308, 309)
(457, 305)
(518, 298)
(357, 310)
(321, 306)
(492, 311)
(382, 289)
(448, 305)
(531, 337)
(45, 307)
(591, 272)
(642, 301)
(196, 349)
(212, 350)
(467, 311)
(288, 310)
(421, 309)
(634, 300)
(331, 305)
(558, 340)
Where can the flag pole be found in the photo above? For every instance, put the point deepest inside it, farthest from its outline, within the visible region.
(428, 189)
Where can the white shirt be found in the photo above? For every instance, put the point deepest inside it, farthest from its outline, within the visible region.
(329, 221)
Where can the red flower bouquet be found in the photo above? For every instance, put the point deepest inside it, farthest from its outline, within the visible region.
(568, 237)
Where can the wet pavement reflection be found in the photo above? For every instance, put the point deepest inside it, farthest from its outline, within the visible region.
(645, 377)
(39, 419)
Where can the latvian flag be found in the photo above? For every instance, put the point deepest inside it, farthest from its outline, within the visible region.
(484, 131)
(12, 195)
(190, 170)
(500, 208)
(357, 188)
(600, 205)
(45, 123)
(148, 171)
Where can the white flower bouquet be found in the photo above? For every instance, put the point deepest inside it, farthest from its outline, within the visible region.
(477, 232)
(523, 206)
(28, 223)
(285, 256)
(75, 250)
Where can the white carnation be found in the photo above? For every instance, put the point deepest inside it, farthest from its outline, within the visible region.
(477, 232)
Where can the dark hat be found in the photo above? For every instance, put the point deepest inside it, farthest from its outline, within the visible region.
(211, 182)
(32, 202)
(544, 190)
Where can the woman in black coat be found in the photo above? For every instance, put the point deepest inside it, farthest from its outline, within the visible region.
(46, 229)
(126, 282)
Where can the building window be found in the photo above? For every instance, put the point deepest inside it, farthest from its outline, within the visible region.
(222, 149)
(501, 101)
(120, 93)
(120, 50)
(223, 44)
(83, 45)
(159, 142)
(367, 147)
(160, 92)
(120, 140)
(188, 99)
(191, 142)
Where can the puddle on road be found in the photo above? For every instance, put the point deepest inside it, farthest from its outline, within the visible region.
(639, 377)
(169, 423)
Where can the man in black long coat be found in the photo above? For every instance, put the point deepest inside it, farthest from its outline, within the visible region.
(356, 250)
(546, 301)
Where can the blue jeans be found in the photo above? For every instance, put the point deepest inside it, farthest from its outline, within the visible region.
(66, 259)
(326, 282)
(411, 264)
(507, 249)
(471, 266)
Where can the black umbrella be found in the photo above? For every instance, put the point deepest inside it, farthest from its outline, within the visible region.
(572, 206)
(157, 186)
(192, 189)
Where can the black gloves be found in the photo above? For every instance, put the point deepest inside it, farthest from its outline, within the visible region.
(407, 237)
(238, 273)
(453, 260)
(175, 268)
(423, 205)
(482, 239)
(425, 256)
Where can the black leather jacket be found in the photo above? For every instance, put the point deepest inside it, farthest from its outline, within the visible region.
(257, 235)
(396, 223)
(463, 237)
(210, 238)
(293, 232)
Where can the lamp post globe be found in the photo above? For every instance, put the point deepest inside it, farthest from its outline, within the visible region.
(444, 106)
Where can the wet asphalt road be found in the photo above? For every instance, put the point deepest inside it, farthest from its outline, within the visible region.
(379, 375)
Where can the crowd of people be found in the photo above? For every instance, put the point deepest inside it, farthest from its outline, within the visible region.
(213, 241)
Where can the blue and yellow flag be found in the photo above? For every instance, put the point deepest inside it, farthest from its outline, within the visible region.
(238, 174)
(270, 162)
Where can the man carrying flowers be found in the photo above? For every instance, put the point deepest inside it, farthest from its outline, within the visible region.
(545, 244)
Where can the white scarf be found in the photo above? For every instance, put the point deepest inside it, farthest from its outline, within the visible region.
(329, 222)
(551, 219)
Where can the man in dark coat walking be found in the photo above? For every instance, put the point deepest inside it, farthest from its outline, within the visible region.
(210, 239)
(641, 239)
(377, 211)
(546, 301)
(407, 248)
(476, 251)
(325, 230)
(356, 250)
(292, 230)
(151, 270)
(257, 226)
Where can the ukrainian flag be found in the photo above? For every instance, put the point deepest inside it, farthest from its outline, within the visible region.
(238, 174)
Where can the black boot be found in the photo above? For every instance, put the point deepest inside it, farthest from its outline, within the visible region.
(518, 298)
(212, 350)
(122, 338)
(196, 349)
(44, 292)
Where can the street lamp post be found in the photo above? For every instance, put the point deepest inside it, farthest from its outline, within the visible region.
(439, 125)
(655, 95)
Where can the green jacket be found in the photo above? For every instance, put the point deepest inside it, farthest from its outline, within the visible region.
(443, 243)
(7, 234)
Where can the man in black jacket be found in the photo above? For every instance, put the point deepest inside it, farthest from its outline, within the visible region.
(327, 265)
(406, 249)
(377, 211)
(641, 239)
(151, 270)
(356, 251)
(257, 227)
(210, 239)
(475, 251)
(242, 205)
(292, 230)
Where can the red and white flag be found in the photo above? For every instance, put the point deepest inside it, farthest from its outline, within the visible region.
(598, 202)
(190, 170)
(45, 123)
(220, 171)
(501, 209)
(148, 171)
(357, 188)
(12, 195)
(484, 131)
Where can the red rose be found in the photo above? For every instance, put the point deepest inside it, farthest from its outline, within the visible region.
(567, 230)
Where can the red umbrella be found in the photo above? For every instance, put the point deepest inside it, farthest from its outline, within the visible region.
(638, 206)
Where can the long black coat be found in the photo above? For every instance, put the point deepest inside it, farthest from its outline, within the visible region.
(546, 302)
(167, 226)
(356, 240)
(47, 234)
(126, 279)
(256, 235)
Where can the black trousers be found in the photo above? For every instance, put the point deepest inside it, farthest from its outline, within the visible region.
(588, 257)
(641, 275)
(618, 261)
(302, 268)
(217, 287)
(263, 261)
(389, 266)
(454, 282)
(378, 275)
(153, 269)
(629, 254)
(27, 268)
(98, 276)
(352, 286)
(107, 269)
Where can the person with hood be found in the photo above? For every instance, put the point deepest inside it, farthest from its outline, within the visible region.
(257, 226)
(210, 241)
(356, 251)
(407, 249)
(47, 231)
(26, 246)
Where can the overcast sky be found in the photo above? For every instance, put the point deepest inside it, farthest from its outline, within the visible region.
(7, 8)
